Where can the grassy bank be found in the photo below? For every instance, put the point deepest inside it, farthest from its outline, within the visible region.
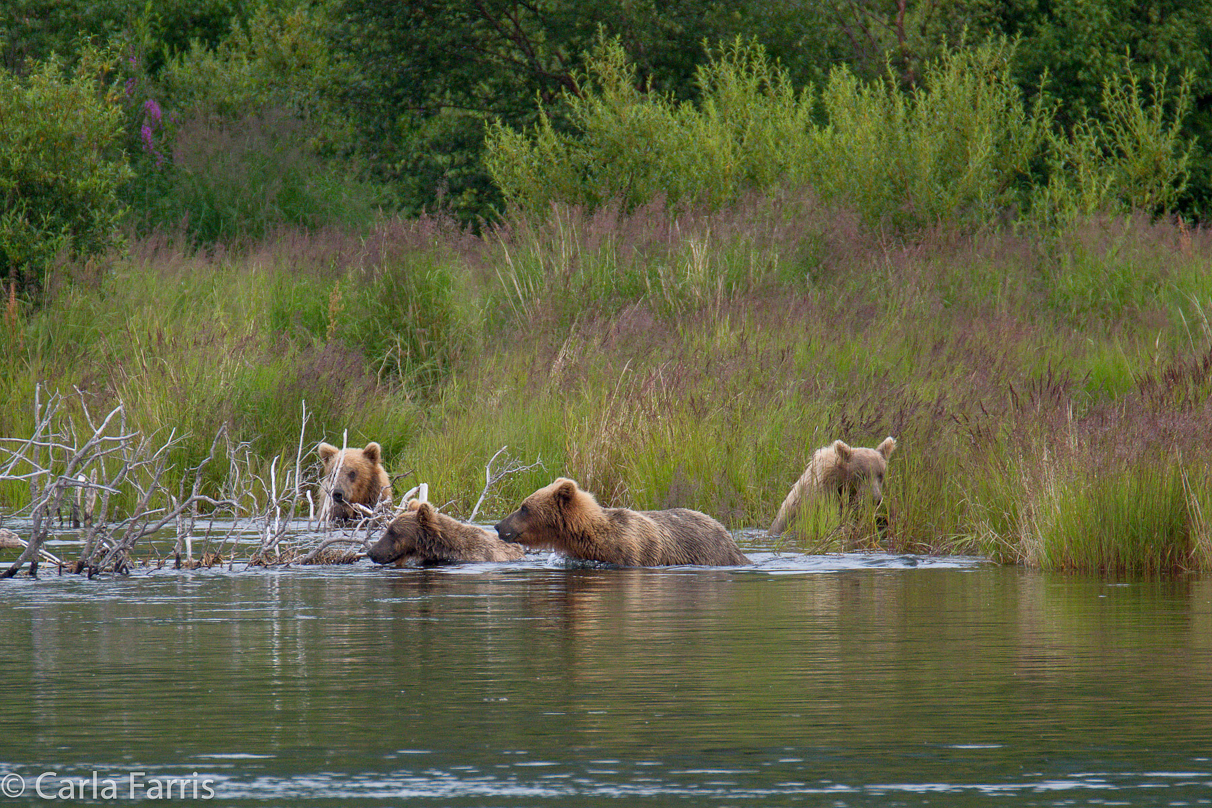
(1049, 393)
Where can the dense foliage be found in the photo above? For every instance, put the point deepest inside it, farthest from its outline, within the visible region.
(327, 110)
(60, 170)
(963, 146)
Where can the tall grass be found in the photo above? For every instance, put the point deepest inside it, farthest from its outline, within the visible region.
(191, 341)
(1043, 414)
(1077, 509)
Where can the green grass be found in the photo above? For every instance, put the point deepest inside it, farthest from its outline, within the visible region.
(687, 360)
(1143, 517)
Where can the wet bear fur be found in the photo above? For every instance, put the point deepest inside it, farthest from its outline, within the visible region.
(570, 521)
(422, 535)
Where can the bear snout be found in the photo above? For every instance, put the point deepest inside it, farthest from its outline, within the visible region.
(384, 550)
(337, 496)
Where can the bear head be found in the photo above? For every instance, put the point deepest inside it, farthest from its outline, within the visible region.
(862, 470)
(552, 511)
(417, 526)
(352, 475)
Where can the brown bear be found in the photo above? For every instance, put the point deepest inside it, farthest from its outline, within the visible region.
(564, 518)
(423, 535)
(837, 470)
(352, 476)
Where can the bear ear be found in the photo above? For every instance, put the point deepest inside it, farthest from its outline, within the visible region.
(886, 447)
(413, 504)
(843, 450)
(373, 452)
(565, 489)
(327, 451)
(426, 515)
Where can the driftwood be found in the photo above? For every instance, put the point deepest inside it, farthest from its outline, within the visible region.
(493, 476)
(11, 541)
(101, 457)
(358, 535)
(111, 480)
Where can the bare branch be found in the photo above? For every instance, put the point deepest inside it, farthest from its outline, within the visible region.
(329, 542)
(491, 478)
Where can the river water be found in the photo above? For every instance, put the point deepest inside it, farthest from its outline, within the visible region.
(845, 680)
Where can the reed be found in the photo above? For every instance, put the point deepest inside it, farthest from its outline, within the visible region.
(1143, 517)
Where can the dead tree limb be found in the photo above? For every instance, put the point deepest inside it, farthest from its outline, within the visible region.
(512, 466)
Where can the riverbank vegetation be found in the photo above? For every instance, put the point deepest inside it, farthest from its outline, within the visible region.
(669, 290)
(1050, 394)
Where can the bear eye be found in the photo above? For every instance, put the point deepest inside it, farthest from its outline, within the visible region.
(523, 510)
(353, 474)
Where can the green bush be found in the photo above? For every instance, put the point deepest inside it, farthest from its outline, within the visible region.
(60, 170)
(1131, 157)
(957, 148)
(1077, 44)
(749, 131)
(279, 60)
(963, 147)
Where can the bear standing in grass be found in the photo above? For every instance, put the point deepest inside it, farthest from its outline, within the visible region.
(837, 470)
(564, 518)
(352, 476)
(423, 535)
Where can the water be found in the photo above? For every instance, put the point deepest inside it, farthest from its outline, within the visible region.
(835, 681)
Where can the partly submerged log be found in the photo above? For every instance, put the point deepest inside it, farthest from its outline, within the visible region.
(11, 541)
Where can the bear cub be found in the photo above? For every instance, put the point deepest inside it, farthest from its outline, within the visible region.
(837, 470)
(424, 536)
(352, 476)
(564, 518)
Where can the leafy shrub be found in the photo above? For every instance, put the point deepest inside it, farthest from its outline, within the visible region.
(280, 60)
(749, 131)
(955, 148)
(60, 170)
(962, 147)
(1131, 157)
(252, 144)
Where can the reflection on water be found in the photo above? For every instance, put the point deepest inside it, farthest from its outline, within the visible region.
(838, 680)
